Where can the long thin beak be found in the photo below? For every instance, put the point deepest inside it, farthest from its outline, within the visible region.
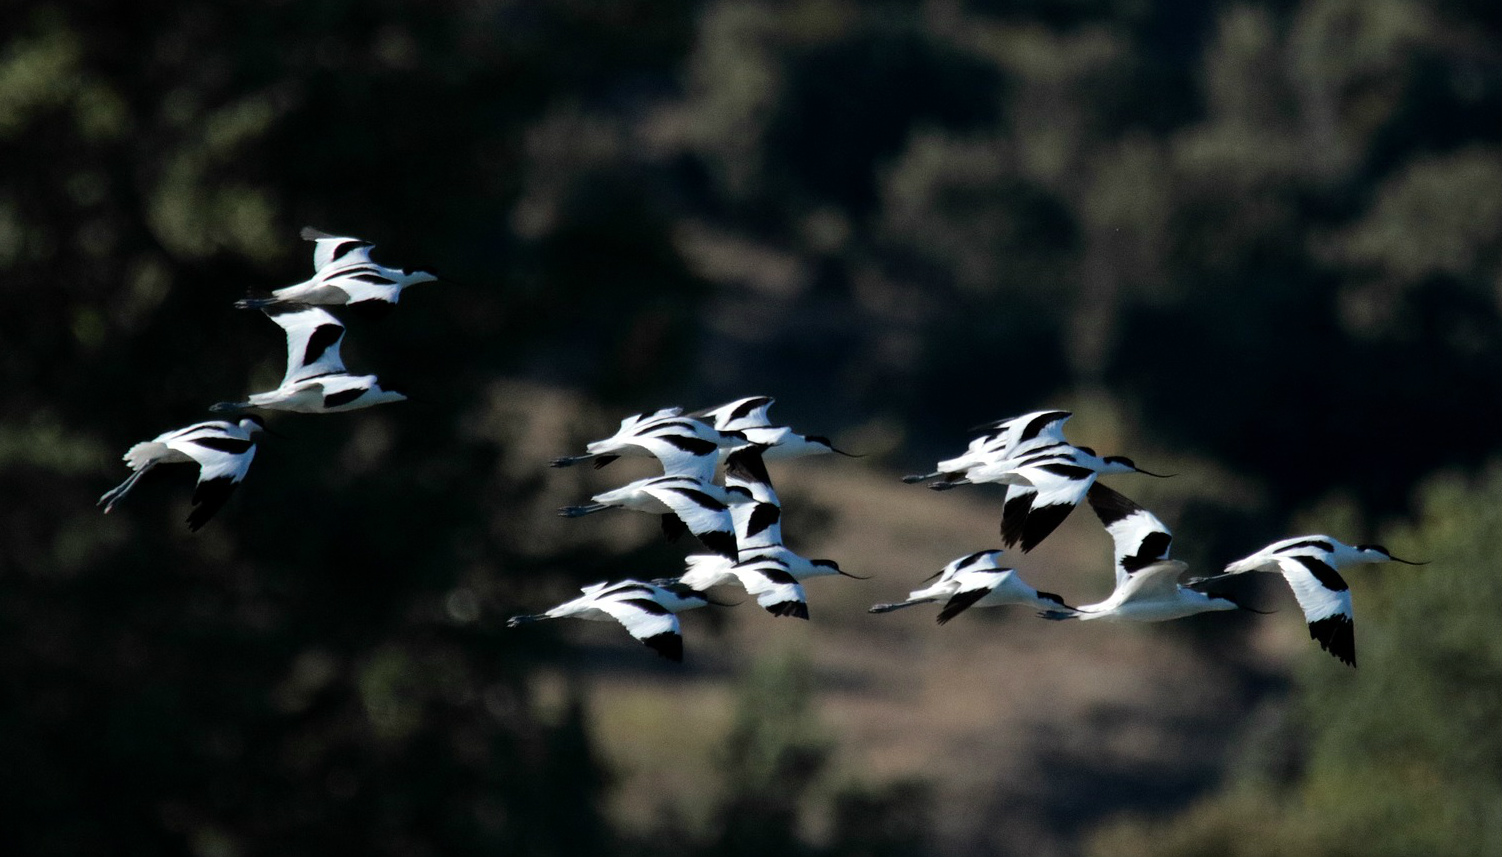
(1158, 475)
(1408, 561)
(839, 451)
(848, 574)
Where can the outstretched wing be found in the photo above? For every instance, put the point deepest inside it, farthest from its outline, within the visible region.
(313, 337)
(758, 515)
(739, 415)
(707, 517)
(336, 250)
(775, 588)
(1140, 538)
(646, 620)
(1153, 582)
(1325, 599)
(1015, 435)
(1058, 487)
(223, 459)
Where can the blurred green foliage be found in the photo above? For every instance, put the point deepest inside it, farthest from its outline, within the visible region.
(1266, 233)
(1401, 758)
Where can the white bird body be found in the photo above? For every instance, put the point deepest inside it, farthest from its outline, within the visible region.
(316, 381)
(774, 587)
(647, 610)
(683, 501)
(343, 275)
(1147, 587)
(977, 580)
(1003, 439)
(222, 450)
(1334, 553)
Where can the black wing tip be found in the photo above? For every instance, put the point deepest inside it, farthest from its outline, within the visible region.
(1109, 504)
(1336, 635)
(668, 644)
(795, 609)
(721, 542)
(1040, 523)
(959, 603)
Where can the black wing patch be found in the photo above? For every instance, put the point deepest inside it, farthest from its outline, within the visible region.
(647, 605)
(958, 604)
(667, 644)
(208, 498)
(1324, 573)
(692, 445)
(745, 408)
(778, 575)
(719, 541)
(971, 560)
(1109, 504)
(673, 527)
(372, 279)
(1320, 544)
(700, 498)
(343, 397)
(1013, 516)
(747, 466)
(1154, 548)
(344, 248)
(1041, 521)
(796, 609)
(232, 445)
(762, 517)
(323, 338)
(1039, 423)
(1068, 471)
(1336, 635)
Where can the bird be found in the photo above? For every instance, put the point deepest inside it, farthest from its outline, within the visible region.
(684, 502)
(976, 580)
(765, 566)
(647, 610)
(316, 381)
(637, 433)
(222, 450)
(1001, 438)
(1310, 566)
(1043, 487)
(343, 275)
(1147, 587)
(748, 418)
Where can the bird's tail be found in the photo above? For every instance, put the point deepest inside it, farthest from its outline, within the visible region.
(112, 496)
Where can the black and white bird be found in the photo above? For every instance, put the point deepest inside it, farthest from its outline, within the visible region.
(1147, 587)
(1310, 565)
(684, 502)
(748, 418)
(647, 610)
(976, 580)
(343, 275)
(222, 450)
(1001, 440)
(657, 434)
(766, 567)
(316, 381)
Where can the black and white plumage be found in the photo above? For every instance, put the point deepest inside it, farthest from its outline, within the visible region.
(1147, 587)
(343, 275)
(1002, 439)
(767, 568)
(683, 502)
(222, 450)
(647, 610)
(1310, 566)
(316, 381)
(748, 417)
(683, 444)
(977, 580)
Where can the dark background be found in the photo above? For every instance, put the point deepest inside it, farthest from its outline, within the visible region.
(1265, 235)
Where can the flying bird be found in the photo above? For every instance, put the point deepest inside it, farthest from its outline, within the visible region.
(1147, 587)
(1001, 439)
(748, 418)
(976, 580)
(222, 450)
(647, 610)
(343, 275)
(657, 434)
(316, 381)
(683, 502)
(1310, 566)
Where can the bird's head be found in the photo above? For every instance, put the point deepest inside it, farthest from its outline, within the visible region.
(1122, 464)
(829, 566)
(1378, 553)
(825, 444)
